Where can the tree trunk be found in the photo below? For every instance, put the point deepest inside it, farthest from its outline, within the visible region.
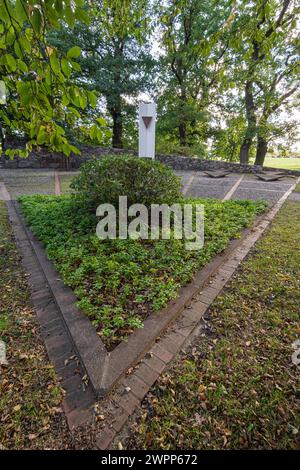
(182, 118)
(251, 123)
(116, 100)
(261, 150)
(244, 151)
(117, 129)
(182, 133)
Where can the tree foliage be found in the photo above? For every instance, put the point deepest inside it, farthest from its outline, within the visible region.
(265, 50)
(191, 37)
(38, 79)
(115, 60)
(224, 73)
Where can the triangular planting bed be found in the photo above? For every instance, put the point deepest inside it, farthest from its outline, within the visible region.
(104, 368)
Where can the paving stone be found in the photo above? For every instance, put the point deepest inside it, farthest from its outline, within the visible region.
(104, 439)
(128, 402)
(147, 374)
(46, 315)
(119, 418)
(58, 345)
(184, 325)
(59, 362)
(56, 329)
(41, 298)
(78, 417)
(78, 399)
(219, 281)
(72, 384)
(70, 369)
(295, 197)
(163, 354)
(154, 363)
(49, 327)
(196, 312)
(138, 387)
(208, 295)
(230, 265)
(172, 342)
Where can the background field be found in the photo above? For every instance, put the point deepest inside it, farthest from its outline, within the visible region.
(288, 163)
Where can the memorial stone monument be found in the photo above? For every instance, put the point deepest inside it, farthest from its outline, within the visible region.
(147, 116)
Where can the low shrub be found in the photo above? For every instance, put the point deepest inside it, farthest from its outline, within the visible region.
(142, 180)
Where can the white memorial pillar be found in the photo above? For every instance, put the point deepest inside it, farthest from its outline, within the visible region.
(147, 116)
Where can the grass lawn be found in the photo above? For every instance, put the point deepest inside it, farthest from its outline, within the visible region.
(236, 386)
(287, 163)
(118, 283)
(30, 397)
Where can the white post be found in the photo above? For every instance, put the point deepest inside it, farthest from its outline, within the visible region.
(147, 115)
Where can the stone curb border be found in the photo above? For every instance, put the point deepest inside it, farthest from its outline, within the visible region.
(79, 395)
(181, 333)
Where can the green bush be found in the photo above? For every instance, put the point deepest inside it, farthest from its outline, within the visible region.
(142, 180)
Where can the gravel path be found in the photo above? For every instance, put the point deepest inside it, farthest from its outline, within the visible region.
(195, 184)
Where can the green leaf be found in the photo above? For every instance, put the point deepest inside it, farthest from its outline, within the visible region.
(92, 98)
(54, 62)
(66, 149)
(25, 44)
(65, 100)
(36, 20)
(20, 12)
(22, 66)
(82, 101)
(69, 16)
(75, 150)
(41, 137)
(75, 66)
(66, 68)
(11, 63)
(101, 121)
(17, 49)
(73, 52)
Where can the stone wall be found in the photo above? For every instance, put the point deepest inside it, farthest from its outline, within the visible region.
(45, 159)
(194, 164)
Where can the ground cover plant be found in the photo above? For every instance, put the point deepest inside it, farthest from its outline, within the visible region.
(119, 282)
(236, 386)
